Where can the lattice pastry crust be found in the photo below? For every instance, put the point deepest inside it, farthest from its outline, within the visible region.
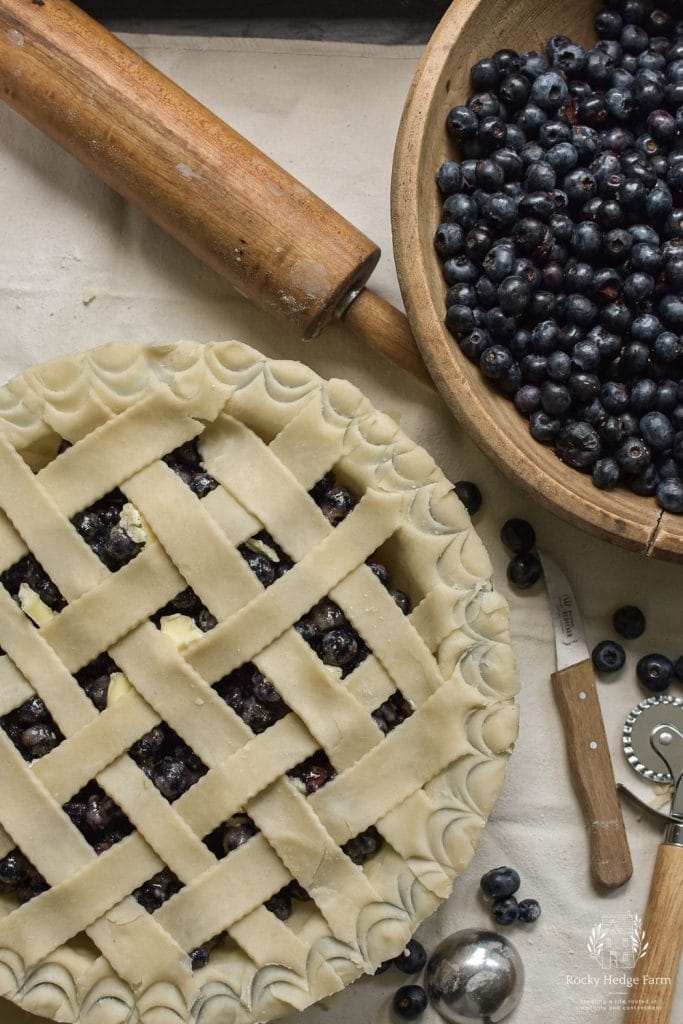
(84, 949)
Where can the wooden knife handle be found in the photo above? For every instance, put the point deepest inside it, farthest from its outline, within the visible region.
(654, 976)
(210, 188)
(591, 769)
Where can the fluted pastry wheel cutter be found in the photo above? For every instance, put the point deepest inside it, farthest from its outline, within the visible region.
(653, 744)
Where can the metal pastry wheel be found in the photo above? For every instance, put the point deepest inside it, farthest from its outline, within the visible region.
(653, 744)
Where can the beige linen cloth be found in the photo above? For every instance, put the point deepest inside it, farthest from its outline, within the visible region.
(79, 267)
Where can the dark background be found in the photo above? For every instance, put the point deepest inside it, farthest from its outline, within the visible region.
(376, 20)
(194, 9)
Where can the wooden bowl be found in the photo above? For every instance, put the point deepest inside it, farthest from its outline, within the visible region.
(469, 30)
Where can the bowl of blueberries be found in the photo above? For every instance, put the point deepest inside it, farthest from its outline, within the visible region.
(537, 213)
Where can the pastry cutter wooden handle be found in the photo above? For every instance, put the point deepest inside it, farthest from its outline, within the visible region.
(210, 188)
(653, 743)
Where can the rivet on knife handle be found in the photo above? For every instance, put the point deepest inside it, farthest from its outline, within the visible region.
(592, 774)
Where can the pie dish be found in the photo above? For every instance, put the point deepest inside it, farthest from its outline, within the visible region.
(256, 686)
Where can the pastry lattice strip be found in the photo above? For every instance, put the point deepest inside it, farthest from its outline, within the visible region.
(74, 656)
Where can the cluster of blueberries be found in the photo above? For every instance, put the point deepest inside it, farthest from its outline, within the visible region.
(562, 243)
(500, 885)
(518, 536)
(409, 1001)
(655, 671)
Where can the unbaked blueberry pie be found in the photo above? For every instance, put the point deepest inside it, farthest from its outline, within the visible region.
(256, 688)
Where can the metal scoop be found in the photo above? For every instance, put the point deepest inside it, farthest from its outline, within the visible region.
(653, 744)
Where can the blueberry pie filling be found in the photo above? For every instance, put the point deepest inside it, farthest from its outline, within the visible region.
(19, 878)
(33, 590)
(266, 560)
(187, 463)
(170, 764)
(231, 834)
(113, 528)
(97, 677)
(252, 697)
(153, 893)
(228, 738)
(32, 729)
(313, 773)
(97, 817)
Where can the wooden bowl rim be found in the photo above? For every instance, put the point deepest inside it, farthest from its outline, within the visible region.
(617, 516)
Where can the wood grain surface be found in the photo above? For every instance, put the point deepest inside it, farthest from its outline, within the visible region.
(591, 770)
(654, 977)
(233, 207)
(470, 30)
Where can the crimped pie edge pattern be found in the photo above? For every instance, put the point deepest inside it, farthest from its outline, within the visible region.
(107, 380)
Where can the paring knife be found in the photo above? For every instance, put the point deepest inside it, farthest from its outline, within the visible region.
(589, 758)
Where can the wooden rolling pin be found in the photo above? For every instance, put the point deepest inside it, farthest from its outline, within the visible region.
(209, 187)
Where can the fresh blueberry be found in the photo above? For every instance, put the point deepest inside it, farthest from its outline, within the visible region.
(633, 456)
(544, 428)
(657, 431)
(518, 535)
(449, 241)
(608, 656)
(629, 621)
(462, 123)
(555, 398)
(409, 1002)
(549, 90)
(669, 496)
(540, 176)
(527, 398)
(505, 911)
(484, 74)
(579, 445)
(655, 672)
(533, 63)
(529, 911)
(514, 294)
(524, 570)
(412, 959)
(469, 494)
(500, 882)
(449, 177)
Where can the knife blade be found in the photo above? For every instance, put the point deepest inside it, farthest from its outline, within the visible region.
(588, 753)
